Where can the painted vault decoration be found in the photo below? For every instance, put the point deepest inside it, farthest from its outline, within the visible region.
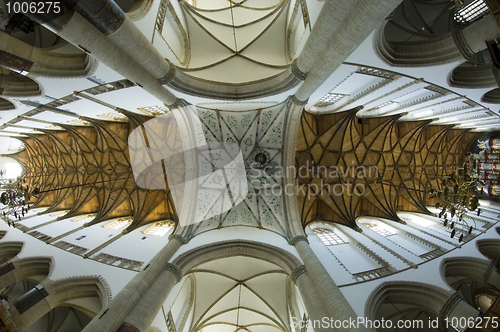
(259, 134)
(86, 169)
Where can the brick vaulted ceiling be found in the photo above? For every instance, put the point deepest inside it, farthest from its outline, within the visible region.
(391, 163)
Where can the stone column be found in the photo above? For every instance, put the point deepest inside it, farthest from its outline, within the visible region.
(473, 38)
(314, 306)
(335, 303)
(24, 58)
(453, 46)
(118, 28)
(491, 274)
(134, 43)
(293, 119)
(112, 317)
(455, 307)
(77, 30)
(145, 312)
(7, 274)
(18, 86)
(30, 307)
(331, 16)
(363, 18)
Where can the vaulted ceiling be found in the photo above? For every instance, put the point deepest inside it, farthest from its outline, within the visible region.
(233, 42)
(350, 167)
(244, 294)
(86, 169)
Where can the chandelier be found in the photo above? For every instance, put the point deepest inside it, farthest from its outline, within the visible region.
(456, 198)
(15, 197)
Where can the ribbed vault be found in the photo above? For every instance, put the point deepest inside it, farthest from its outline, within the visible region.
(348, 167)
(86, 169)
(239, 41)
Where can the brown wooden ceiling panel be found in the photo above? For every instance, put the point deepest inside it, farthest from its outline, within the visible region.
(410, 157)
(86, 169)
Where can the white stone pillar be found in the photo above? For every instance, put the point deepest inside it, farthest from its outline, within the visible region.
(363, 18)
(83, 34)
(335, 303)
(141, 318)
(112, 317)
(329, 20)
(313, 303)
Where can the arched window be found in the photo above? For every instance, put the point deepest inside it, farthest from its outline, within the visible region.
(118, 223)
(159, 228)
(380, 229)
(59, 213)
(328, 237)
(84, 218)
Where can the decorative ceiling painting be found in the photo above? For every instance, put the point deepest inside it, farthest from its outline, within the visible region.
(259, 133)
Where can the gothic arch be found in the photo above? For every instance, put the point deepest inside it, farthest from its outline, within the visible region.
(62, 292)
(415, 36)
(492, 96)
(417, 300)
(457, 270)
(21, 57)
(6, 105)
(33, 269)
(423, 295)
(17, 85)
(9, 250)
(472, 76)
(438, 50)
(218, 250)
(490, 248)
(206, 264)
(70, 292)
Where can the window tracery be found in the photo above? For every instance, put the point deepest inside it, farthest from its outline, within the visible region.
(328, 237)
(159, 228)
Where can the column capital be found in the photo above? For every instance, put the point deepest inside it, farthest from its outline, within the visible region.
(298, 102)
(179, 238)
(297, 72)
(169, 76)
(176, 104)
(299, 238)
(297, 273)
(175, 271)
